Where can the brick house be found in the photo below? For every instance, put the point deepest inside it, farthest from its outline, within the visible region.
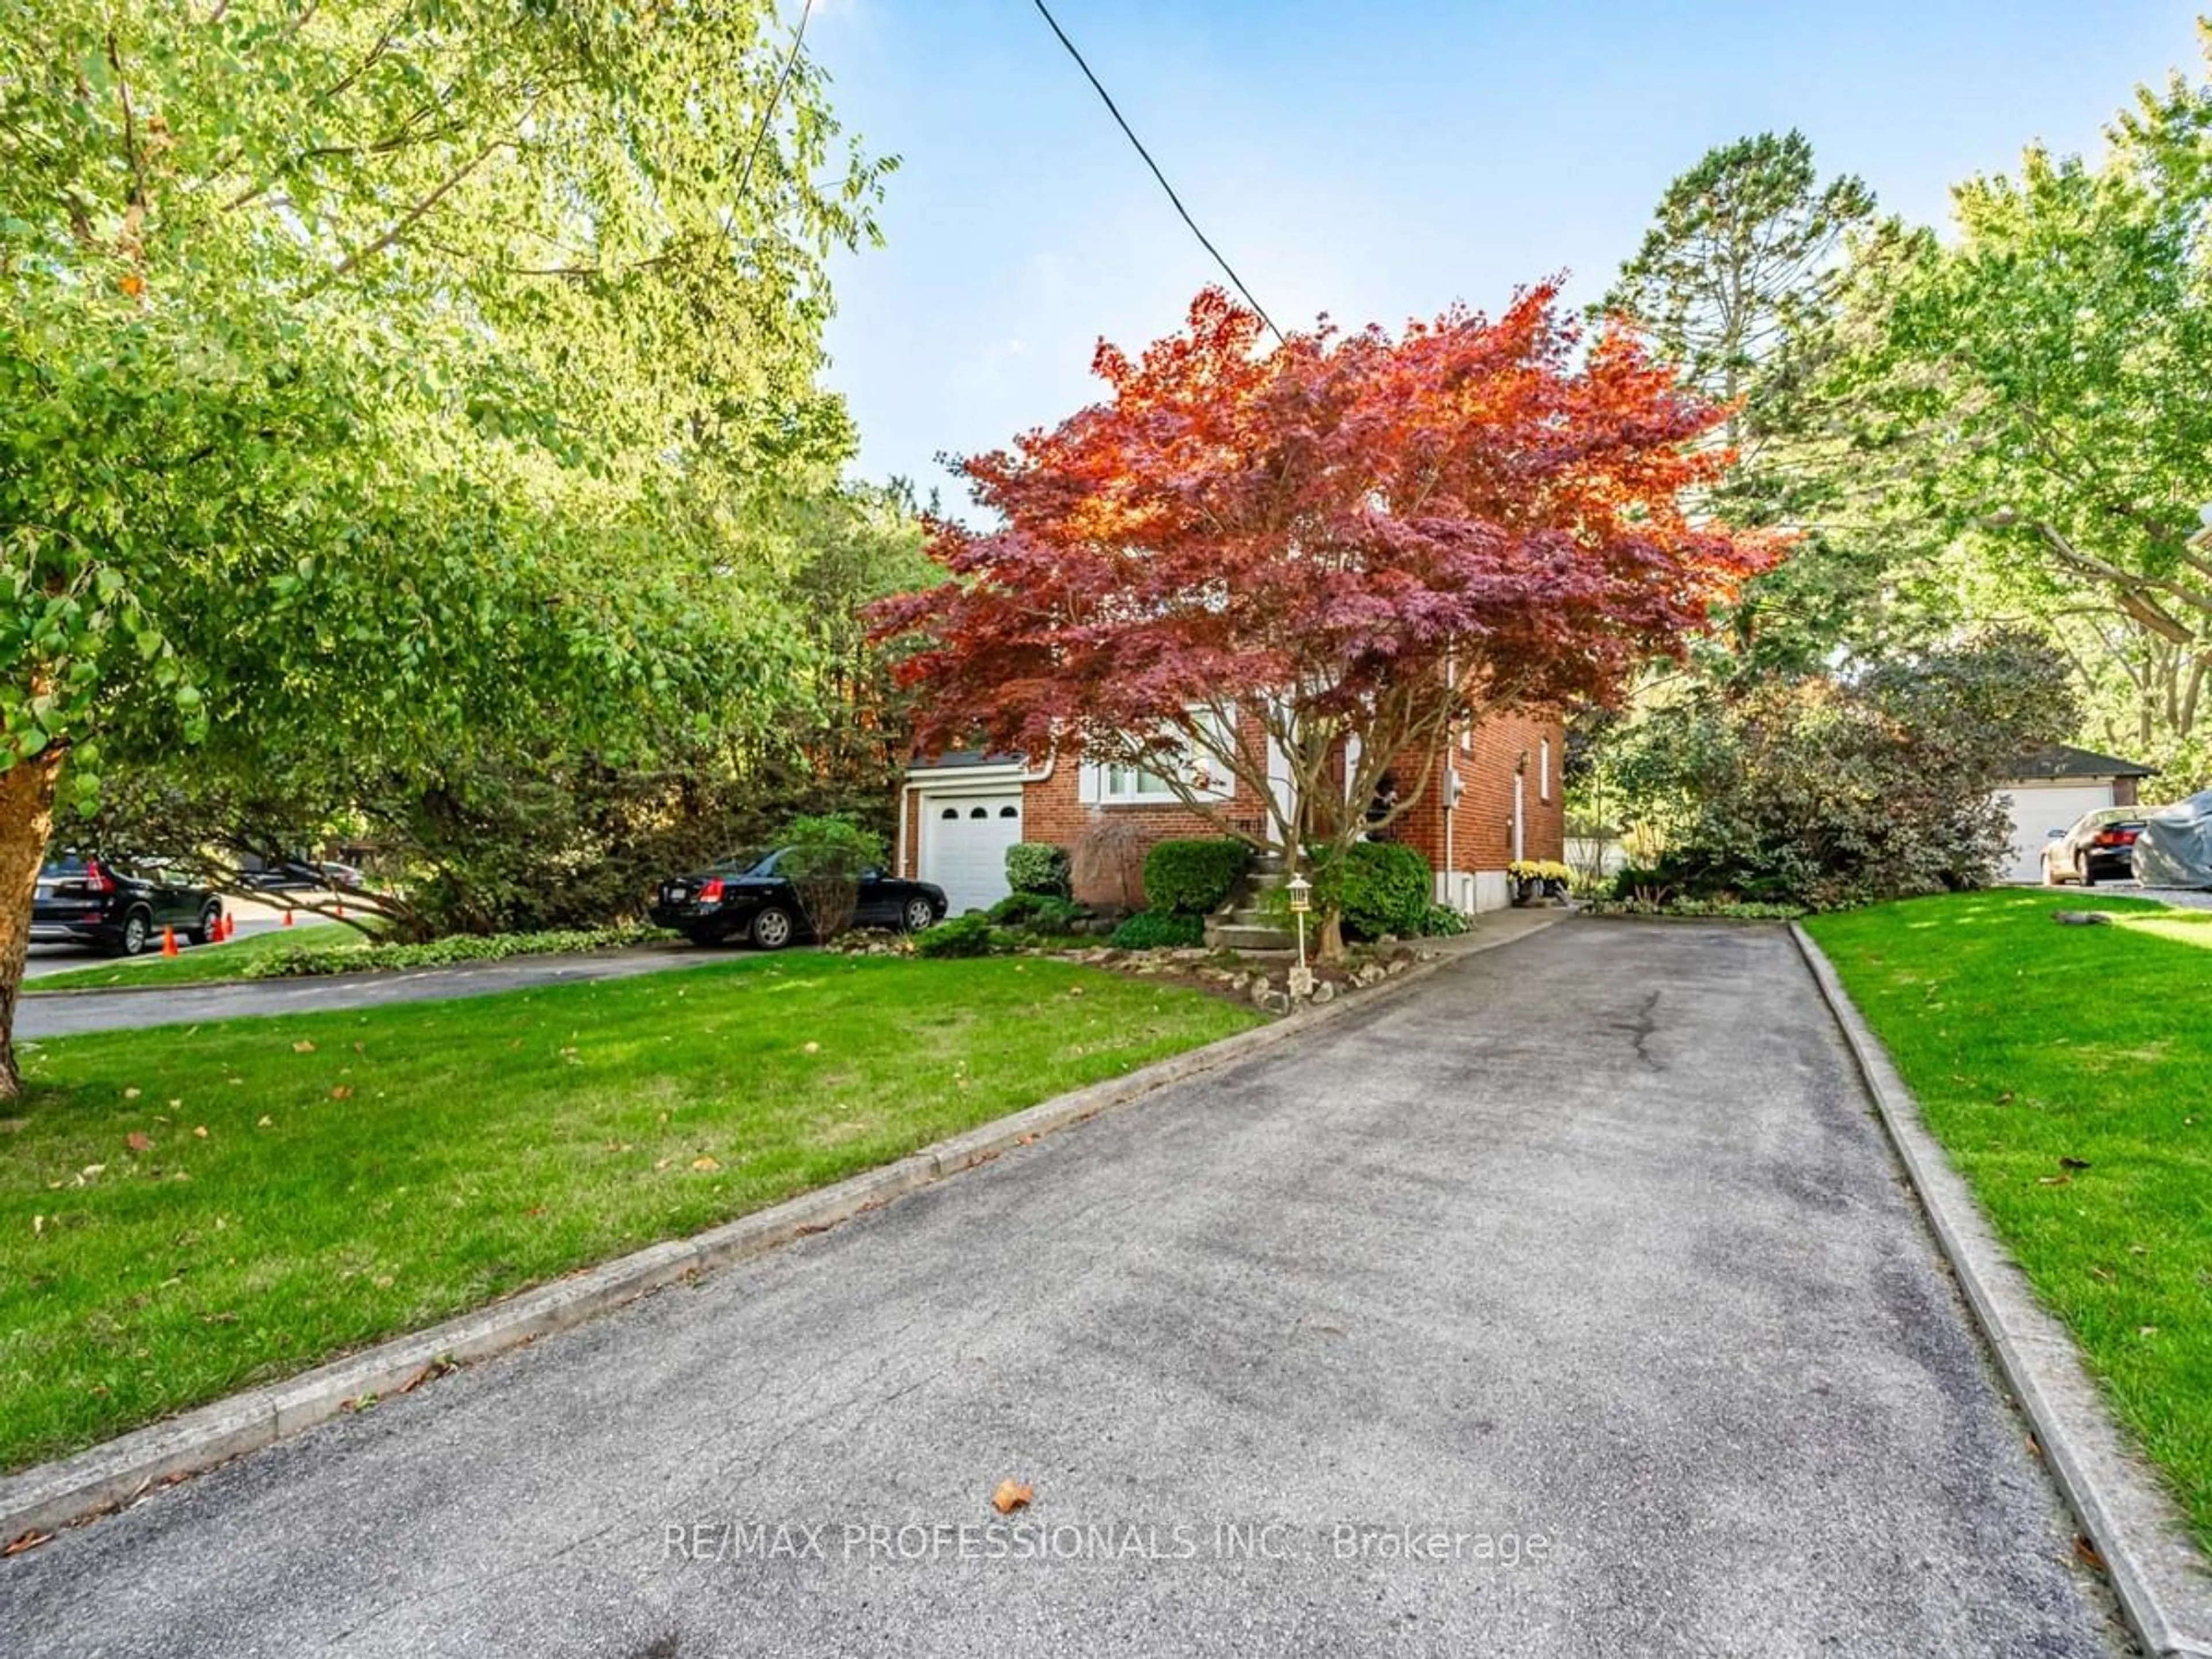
(1501, 799)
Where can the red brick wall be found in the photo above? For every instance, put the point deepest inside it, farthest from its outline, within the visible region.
(1053, 811)
(1481, 829)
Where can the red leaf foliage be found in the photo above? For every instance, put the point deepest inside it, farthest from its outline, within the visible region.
(1477, 509)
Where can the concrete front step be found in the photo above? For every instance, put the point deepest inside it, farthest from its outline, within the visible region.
(1236, 936)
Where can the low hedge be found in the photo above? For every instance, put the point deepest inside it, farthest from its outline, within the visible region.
(1151, 930)
(304, 960)
(959, 935)
(1194, 877)
(1043, 913)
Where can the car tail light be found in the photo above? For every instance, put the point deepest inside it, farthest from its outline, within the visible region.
(710, 890)
(2116, 838)
(96, 877)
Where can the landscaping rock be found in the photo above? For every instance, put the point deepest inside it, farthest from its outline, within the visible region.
(1324, 992)
(2083, 918)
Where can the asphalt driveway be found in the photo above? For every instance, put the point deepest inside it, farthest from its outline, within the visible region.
(1567, 1304)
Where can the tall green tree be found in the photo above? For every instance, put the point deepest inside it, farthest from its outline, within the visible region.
(2036, 384)
(385, 377)
(1736, 282)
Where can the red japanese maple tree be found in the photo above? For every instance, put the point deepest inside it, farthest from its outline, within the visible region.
(1351, 536)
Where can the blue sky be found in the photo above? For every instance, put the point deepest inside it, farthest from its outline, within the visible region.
(1374, 161)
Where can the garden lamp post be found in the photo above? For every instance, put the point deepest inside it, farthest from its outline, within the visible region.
(1301, 891)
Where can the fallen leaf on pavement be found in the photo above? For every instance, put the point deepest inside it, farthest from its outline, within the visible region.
(266, 1122)
(1012, 1495)
(2088, 1551)
(29, 1540)
(303, 1046)
(138, 1141)
(704, 1164)
(342, 1092)
(200, 1129)
(132, 1093)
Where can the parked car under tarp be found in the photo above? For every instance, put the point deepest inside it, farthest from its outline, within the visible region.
(2175, 846)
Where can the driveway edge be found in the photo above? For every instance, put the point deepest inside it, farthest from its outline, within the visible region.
(2156, 1572)
(118, 1472)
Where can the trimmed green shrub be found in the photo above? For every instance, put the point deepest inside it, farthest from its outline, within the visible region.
(1382, 886)
(1043, 913)
(1443, 922)
(1149, 930)
(1035, 867)
(960, 936)
(1192, 878)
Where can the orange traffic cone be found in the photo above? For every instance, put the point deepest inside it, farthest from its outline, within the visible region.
(226, 925)
(168, 941)
(288, 918)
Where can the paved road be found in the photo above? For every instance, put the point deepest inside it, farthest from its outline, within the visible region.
(71, 1013)
(1590, 1240)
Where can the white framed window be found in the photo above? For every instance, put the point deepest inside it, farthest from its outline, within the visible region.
(1124, 784)
(1544, 770)
(1131, 784)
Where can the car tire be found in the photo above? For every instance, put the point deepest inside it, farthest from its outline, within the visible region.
(917, 914)
(2088, 872)
(773, 928)
(138, 934)
(211, 919)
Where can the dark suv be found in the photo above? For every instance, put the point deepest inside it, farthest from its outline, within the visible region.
(89, 900)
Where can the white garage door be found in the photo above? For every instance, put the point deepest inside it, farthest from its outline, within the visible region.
(2037, 811)
(964, 845)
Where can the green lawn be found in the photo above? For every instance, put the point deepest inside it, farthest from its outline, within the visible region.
(2068, 1071)
(198, 964)
(188, 1211)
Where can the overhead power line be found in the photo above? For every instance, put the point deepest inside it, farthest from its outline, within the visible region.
(775, 97)
(1114, 110)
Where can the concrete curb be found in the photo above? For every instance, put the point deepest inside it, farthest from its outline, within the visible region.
(2160, 1579)
(118, 1472)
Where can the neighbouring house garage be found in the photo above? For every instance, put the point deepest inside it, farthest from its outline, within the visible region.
(958, 816)
(2055, 786)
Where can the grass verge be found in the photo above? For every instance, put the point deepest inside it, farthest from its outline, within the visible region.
(2068, 1073)
(201, 964)
(185, 1211)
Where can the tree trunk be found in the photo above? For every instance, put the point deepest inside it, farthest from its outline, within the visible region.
(27, 817)
(1331, 947)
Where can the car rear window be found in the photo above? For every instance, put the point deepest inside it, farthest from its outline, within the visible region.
(68, 864)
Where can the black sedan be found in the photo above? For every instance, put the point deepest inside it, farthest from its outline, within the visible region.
(746, 898)
(91, 901)
(2100, 847)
